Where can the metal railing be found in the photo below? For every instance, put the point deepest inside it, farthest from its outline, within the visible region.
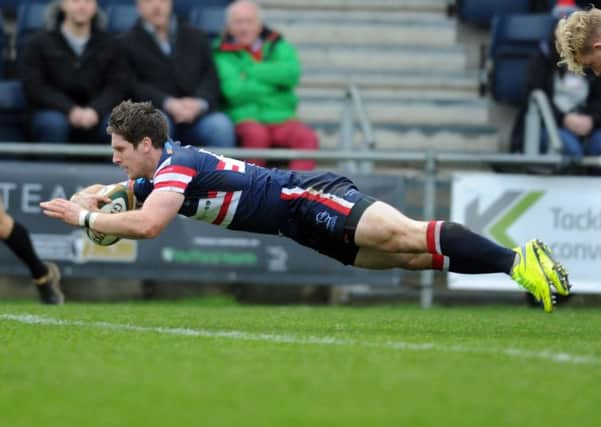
(539, 109)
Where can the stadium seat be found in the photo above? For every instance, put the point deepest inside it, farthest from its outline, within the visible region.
(30, 19)
(211, 20)
(514, 38)
(481, 12)
(9, 7)
(3, 46)
(183, 8)
(121, 17)
(12, 111)
(104, 4)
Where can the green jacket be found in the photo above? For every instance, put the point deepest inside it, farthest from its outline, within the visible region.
(260, 90)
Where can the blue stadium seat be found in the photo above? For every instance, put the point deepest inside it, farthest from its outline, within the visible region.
(3, 46)
(183, 8)
(12, 111)
(106, 3)
(30, 19)
(211, 20)
(121, 17)
(481, 12)
(9, 7)
(514, 39)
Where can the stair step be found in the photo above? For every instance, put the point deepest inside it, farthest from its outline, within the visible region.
(407, 111)
(385, 93)
(272, 16)
(456, 139)
(383, 59)
(367, 34)
(407, 79)
(373, 5)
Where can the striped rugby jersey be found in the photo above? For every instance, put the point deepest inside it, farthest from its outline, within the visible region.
(239, 195)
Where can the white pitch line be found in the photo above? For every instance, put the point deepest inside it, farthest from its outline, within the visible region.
(548, 355)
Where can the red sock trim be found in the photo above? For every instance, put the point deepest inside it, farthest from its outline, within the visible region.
(438, 262)
(433, 237)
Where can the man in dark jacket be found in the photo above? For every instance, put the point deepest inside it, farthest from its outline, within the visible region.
(73, 74)
(174, 69)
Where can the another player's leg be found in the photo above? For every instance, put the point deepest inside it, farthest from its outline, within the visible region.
(45, 275)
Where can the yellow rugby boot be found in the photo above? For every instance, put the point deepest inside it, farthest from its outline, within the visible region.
(528, 272)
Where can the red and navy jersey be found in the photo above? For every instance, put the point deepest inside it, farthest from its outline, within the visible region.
(306, 206)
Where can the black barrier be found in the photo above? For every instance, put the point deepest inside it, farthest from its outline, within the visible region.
(186, 250)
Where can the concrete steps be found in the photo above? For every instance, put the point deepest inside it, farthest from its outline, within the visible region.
(438, 6)
(404, 58)
(381, 58)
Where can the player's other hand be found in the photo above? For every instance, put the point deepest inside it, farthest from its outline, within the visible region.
(62, 209)
(91, 202)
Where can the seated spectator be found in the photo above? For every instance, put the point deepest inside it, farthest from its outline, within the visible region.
(73, 75)
(575, 101)
(259, 71)
(174, 69)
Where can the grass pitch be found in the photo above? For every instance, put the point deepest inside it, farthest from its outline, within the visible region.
(215, 363)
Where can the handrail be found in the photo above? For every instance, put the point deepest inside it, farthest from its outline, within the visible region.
(388, 157)
(539, 107)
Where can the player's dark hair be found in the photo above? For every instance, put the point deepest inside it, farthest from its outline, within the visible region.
(136, 120)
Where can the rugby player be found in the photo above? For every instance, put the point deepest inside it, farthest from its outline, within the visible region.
(321, 210)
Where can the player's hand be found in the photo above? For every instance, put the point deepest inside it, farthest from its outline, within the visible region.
(90, 201)
(62, 209)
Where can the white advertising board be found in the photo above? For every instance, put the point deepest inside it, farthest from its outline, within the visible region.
(564, 212)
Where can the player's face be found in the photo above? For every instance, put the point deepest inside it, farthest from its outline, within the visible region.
(156, 12)
(79, 12)
(592, 59)
(131, 160)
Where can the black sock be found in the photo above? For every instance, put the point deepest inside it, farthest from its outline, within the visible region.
(467, 252)
(19, 242)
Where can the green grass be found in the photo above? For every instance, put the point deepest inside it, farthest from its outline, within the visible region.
(487, 366)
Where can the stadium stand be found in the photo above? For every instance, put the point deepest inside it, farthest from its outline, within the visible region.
(12, 110)
(211, 20)
(121, 17)
(9, 7)
(514, 38)
(30, 18)
(183, 8)
(3, 45)
(482, 12)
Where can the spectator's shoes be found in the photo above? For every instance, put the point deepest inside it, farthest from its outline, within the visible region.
(537, 272)
(49, 286)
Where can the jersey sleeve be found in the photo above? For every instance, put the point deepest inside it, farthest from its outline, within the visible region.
(175, 173)
(141, 188)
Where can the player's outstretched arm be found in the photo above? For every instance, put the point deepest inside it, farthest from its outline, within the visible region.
(156, 213)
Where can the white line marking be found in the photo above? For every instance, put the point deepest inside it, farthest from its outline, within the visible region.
(548, 355)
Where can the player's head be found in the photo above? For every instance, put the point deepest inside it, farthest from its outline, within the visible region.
(578, 41)
(138, 133)
(135, 121)
(244, 21)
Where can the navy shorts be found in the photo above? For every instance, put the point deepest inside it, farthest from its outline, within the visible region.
(324, 210)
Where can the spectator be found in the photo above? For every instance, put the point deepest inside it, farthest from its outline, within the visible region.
(174, 69)
(259, 71)
(574, 99)
(73, 74)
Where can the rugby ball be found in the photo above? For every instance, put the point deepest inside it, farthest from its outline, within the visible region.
(122, 199)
